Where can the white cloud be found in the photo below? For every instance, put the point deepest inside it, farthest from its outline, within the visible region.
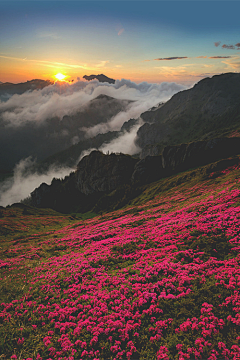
(24, 182)
(68, 98)
(124, 143)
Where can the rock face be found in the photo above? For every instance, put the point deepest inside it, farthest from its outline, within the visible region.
(148, 170)
(151, 150)
(98, 174)
(40, 195)
(182, 157)
(103, 173)
(186, 156)
(208, 110)
(100, 78)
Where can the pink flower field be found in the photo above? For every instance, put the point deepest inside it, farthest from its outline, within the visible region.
(159, 279)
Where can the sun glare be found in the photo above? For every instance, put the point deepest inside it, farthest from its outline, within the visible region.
(60, 76)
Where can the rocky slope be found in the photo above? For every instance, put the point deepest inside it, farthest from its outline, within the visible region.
(8, 89)
(210, 109)
(98, 174)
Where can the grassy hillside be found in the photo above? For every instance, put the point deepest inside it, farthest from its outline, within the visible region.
(157, 279)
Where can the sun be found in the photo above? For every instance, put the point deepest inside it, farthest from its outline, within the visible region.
(60, 77)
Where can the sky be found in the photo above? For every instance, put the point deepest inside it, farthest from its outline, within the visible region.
(153, 41)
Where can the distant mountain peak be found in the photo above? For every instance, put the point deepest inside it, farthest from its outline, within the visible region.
(100, 78)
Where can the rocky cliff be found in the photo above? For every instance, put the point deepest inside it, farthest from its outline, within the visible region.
(103, 173)
(208, 110)
(98, 174)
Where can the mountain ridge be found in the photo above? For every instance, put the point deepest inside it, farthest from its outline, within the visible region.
(205, 111)
(98, 175)
(100, 78)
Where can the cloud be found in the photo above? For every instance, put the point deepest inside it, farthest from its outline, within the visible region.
(66, 98)
(219, 57)
(33, 109)
(238, 46)
(120, 32)
(233, 63)
(217, 43)
(231, 47)
(24, 181)
(201, 57)
(124, 143)
(49, 63)
(102, 63)
(204, 75)
(173, 58)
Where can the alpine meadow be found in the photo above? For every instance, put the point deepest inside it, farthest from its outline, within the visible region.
(119, 180)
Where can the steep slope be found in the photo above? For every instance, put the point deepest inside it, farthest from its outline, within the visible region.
(156, 280)
(109, 181)
(210, 109)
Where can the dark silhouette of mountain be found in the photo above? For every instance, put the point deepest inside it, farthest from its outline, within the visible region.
(113, 179)
(210, 109)
(100, 78)
(7, 89)
(55, 134)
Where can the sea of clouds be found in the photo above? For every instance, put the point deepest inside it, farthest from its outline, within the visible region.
(63, 98)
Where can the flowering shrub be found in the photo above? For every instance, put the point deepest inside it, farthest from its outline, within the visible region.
(157, 280)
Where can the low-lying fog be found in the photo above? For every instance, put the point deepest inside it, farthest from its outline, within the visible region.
(30, 114)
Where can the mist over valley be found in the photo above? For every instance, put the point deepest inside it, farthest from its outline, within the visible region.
(38, 124)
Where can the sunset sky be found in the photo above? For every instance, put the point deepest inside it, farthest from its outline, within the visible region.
(153, 41)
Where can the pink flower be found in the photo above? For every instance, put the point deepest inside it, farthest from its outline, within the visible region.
(179, 346)
(20, 341)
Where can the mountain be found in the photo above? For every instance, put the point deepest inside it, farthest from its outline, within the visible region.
(158, 279)
(55, 134)
(100, 78)
(8, 89)
(208, 110)
(113, 179)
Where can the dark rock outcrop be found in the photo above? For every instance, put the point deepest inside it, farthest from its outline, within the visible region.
(98, 174)
(151, 150)
(100, 78)
(128, 125)
(186, 156)
(182, 157)
(148, 170)
(40, 196)
(103, 173)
